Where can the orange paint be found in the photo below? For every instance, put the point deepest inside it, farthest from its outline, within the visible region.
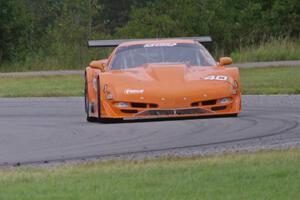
(157, 90)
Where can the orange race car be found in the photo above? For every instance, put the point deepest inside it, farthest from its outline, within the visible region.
(157, 78)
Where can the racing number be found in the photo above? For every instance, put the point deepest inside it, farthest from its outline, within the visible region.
(218, 78)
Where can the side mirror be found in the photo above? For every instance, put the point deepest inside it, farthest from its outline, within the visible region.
(99, 64)
(225, 61)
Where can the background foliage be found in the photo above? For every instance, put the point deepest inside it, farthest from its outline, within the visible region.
(53, 33)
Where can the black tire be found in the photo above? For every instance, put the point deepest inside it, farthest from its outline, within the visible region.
(86, 102)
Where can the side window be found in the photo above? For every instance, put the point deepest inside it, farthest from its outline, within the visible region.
(117, 61)
(205, 57)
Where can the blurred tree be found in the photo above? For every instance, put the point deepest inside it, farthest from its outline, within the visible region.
(14, 29)
(57, 30)
(115, 13)
(230, 23)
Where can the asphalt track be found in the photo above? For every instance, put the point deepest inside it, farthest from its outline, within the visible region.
(38, 130)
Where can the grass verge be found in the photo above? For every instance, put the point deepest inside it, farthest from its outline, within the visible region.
(277, 80)
(72, 59)
(272, 80)
(43, 86)
(275, 49)
(264, 175)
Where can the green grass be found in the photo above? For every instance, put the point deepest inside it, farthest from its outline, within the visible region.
(277, 80)
(41, 64)
(43, 86)
(264, 175)
(272, 50)
(65, 60)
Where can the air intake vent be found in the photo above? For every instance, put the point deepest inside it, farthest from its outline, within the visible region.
(195, 104)
(209, 102)
(139, 105)
(129, 111)
(153, 105)
(218, 108)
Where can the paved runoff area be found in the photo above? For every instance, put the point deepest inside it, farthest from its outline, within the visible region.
(43, 130)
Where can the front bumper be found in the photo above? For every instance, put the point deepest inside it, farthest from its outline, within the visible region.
(146, 111)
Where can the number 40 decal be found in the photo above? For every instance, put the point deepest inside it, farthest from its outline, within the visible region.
(218, 78)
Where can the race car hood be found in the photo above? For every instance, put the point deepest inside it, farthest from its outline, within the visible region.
(167, 81)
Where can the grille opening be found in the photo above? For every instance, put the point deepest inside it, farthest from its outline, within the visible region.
(218, 108)
(153, 105)
(139, 105)
(160, 112)
(209, 102)
(174, 112)
(195, 104)
(129, 111)
(189, 111)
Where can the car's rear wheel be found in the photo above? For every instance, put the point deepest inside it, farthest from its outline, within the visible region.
(87, 102)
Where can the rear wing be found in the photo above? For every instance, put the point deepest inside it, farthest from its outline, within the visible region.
(114, 43)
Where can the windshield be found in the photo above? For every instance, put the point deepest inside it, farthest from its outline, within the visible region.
(137, 55)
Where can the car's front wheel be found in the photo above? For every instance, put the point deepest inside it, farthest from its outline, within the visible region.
(98, 98)
(87, 102)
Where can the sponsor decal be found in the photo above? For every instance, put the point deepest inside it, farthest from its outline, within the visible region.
(160, 45)
(217, 78)
(134, 91)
